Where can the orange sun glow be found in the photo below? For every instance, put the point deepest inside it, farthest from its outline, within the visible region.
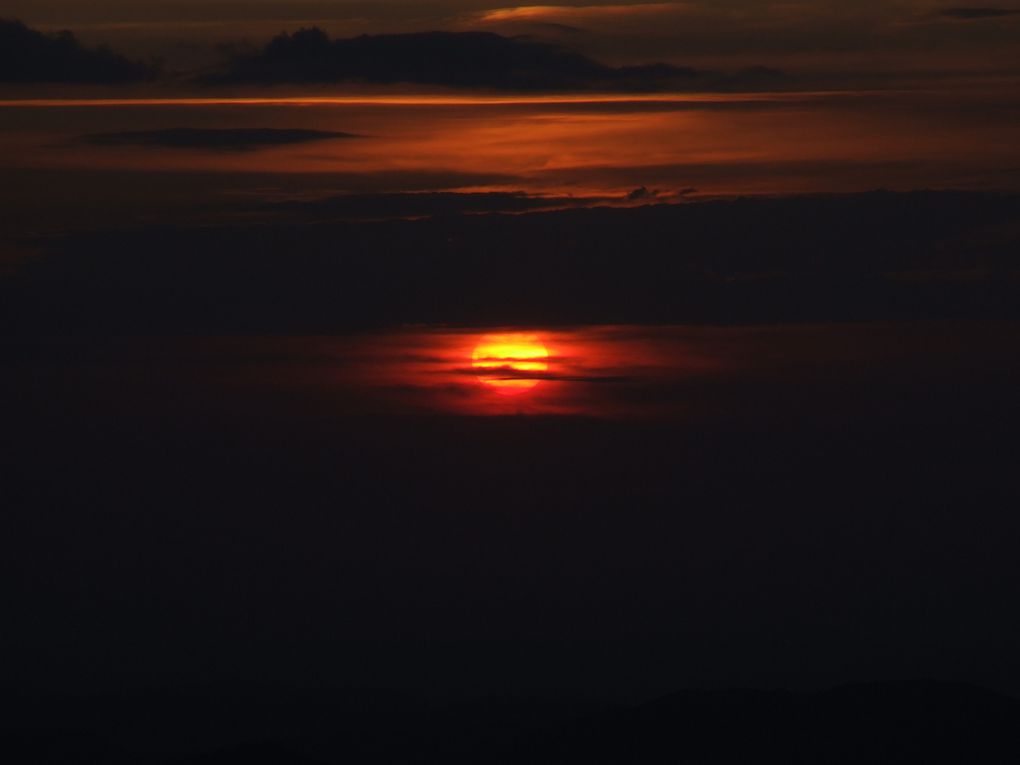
(507, 361)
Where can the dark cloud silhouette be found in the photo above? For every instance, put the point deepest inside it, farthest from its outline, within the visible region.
(641, 193)
(30, 56)
(236, 139)
(975, 14)
(458, 59)
(751, 78)
(425, 204)
(507, 372)
(546, 28)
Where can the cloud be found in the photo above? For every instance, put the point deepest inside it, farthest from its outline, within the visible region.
(975, 14)
(426, 204)
(961, 15)
(641, 192)
(578, 14)
(507, 372)
(238, 139)
(455, 59)
(30, 56)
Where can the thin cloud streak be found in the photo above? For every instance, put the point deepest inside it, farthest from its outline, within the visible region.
(976, 14)
(421, 100)
(580, 13)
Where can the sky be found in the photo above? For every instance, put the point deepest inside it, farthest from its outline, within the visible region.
(927, 99)
(761, 328)
(820, 37)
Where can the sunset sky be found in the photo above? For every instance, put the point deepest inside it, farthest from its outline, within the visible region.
(391, 380)
(901, 95)
(823, 39)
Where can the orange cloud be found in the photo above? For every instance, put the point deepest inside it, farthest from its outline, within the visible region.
(579, 14)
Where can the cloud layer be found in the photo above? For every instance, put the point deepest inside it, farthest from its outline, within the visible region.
(30, 56)
(825, 43)
(458, 59)
(236, 139)
(975, 14)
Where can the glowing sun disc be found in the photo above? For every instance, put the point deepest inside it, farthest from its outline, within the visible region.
(509, 360)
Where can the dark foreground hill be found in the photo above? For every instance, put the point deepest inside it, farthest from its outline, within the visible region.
(916, 722)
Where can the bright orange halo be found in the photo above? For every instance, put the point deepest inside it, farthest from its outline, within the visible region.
(511, 358)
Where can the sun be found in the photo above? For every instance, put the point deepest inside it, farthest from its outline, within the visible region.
(514, 363)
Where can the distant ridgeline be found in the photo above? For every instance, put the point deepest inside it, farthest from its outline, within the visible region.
(29, 56)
